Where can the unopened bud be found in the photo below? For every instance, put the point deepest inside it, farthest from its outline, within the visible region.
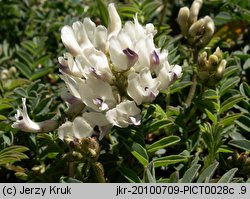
(218, 53)
(248, 161)
(220, 69)
(194, 11)
(202, 60)
(92, 153)
(12, 70)
(182, 20)
(209, 28)
(196, 28)
(213, 61)
(4, 76)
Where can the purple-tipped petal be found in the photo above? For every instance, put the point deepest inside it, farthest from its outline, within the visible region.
(96, 73)
(136, 120)
(155, 60)
(97, 101)
(101, 104)
(65, 69)
(132, 56)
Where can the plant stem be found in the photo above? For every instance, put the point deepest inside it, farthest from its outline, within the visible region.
(194, 80)
(71, 169)
(99, 171)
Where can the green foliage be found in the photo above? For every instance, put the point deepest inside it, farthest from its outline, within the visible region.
(207, 141)
(12, 154)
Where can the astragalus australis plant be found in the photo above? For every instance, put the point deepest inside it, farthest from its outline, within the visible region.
(109, 72)
(152, 94)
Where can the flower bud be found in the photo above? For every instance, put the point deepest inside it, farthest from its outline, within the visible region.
(218, 53)
(211, 70)
(12, 70)
(194, 11)
(182, 20)
(209, 28)
(198, 32)
(220, 69)
(213, 61)
(4, 74)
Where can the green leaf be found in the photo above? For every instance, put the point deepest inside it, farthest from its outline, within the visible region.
(245, 89)
(246, 64)
(230, 71)
(29, 45)
(207, 174)
(2, 117)
(42, 60)
(103, 12)
(5, 106)
(149, 173)
(15, 83)
(129, 174)
(159, 124)
(162, 143)
(177, 87)
(140, 153)
(191, 173)
(27, 58)
(20, 92)
(242, 144)
(225, 149)
(159, 110)
(230, 102)
(229, 119)
(12, 154)
(40, 73)
(168, 160)
(174, 177)
(244, 122)
(211, 116)
(24, 69)
(229, 83)
(210, 94)
(222, 18)
(228, 176)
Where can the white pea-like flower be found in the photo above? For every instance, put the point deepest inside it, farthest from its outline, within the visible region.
(68, 65)
(124, 114)
(142, 87)
(168, 74)
(94, 63)
(97, 95)
(87, 125)
(24, 123)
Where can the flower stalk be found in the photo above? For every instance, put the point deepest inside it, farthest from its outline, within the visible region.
(192, 89)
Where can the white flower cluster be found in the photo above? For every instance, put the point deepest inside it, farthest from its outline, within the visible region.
(112, 71)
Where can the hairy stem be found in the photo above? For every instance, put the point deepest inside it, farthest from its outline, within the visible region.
(99, 171)
(71, 169)
(194, 80)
